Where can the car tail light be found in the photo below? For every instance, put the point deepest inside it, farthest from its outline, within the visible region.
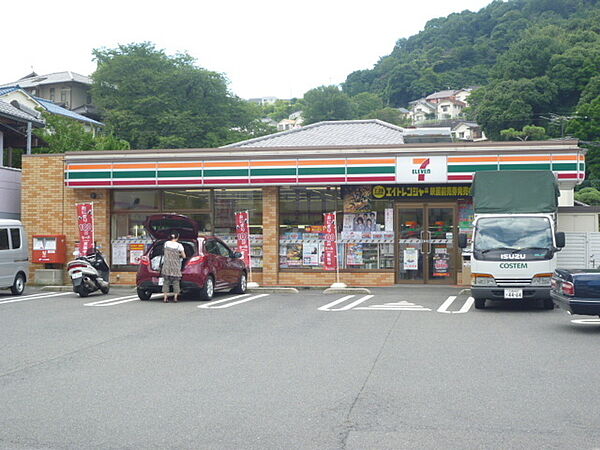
(554, 284)
(196, 260)
(145, 260)
(568, 288)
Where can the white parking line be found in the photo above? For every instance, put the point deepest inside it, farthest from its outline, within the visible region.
(464, 309)
(339, 300)
(397, 306)
(328, 307)
(32, 297)
(586, 321)
(113, 301)
(211, 305)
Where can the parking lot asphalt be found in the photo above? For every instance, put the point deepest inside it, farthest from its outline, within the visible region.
(402, 367)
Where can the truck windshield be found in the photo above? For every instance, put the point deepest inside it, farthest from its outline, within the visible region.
(513, 234)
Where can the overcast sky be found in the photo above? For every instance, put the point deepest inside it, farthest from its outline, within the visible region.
(264, 47)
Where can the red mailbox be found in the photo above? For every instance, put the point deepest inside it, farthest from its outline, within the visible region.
(49, 249)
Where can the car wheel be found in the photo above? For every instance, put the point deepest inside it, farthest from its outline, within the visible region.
(242, 285)
(208, 290)
(144, 294)
(19, 285)
(82, 291)
(480, 303)
(548, 303)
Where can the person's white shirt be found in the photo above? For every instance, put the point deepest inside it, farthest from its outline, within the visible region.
(174, 245)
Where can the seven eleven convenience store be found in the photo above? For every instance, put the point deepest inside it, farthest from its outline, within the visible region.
(399, 207)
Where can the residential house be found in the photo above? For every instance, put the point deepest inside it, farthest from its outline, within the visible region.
(15, 132)
(293, 121)
(449, 109)
(263, 101)
(68, 89)
(468, 131)
(422, 110)
(441, 105)
(462, 130)
(21, 99)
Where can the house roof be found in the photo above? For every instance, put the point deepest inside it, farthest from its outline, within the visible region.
(426, 135)
(442, 94)
(53, 108)
(423, 102)
(468, 124)
(51, 78)
(331, 133)
(50, 106)
(11, 112)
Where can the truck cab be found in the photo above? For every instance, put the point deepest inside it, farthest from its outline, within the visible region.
(513, 257)
(514, 242)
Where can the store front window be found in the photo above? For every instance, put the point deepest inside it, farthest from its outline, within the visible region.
(213, 209)
(365, 228)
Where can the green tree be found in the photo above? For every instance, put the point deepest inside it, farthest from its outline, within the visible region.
(529, 132)
(586, 124)
(511, 104)
(326, 103)
(155, 100)
(282, 109)
(588, 195)
(365, 103)
(67, 135)
(390, 115)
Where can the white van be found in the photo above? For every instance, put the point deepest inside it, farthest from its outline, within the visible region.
(14, 257)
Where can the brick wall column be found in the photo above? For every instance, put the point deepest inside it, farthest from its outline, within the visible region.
(48, 206)
(270, 235)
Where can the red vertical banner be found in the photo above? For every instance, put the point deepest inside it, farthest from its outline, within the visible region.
(330, 261)
(242, 230)
(85, 224)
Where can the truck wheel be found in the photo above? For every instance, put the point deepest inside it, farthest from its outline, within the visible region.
(19, 285)
(208, 290)
(480, 303)
(548, 304)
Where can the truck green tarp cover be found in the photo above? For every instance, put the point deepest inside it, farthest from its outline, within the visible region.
(515, 192)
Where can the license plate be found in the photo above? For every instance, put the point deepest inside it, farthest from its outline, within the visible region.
(76, 275)
(160, 281)
(513, 293)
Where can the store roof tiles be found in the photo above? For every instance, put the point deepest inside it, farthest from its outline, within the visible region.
(333, 133)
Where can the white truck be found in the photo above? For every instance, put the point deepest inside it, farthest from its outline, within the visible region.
(514, 242)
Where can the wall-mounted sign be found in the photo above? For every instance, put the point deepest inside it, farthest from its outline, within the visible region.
(418, 191)
(421, 169)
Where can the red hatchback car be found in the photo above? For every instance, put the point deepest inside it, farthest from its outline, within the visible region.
(210, 265)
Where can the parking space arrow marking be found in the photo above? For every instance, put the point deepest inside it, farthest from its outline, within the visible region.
(397, 306)
(328, 307)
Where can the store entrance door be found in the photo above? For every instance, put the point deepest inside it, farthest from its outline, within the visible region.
(425, 243)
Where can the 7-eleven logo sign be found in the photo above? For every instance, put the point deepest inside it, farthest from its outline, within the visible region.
(422, 170)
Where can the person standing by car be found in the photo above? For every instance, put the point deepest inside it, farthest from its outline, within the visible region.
(173, 253)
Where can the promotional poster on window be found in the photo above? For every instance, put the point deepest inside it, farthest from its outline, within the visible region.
(85, 223)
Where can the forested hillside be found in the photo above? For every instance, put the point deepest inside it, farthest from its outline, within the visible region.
(537, 62)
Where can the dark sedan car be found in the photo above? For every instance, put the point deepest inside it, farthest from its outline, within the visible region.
(210, 265)
(577, 291)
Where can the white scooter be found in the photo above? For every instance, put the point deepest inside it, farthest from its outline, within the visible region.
(89, 273)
